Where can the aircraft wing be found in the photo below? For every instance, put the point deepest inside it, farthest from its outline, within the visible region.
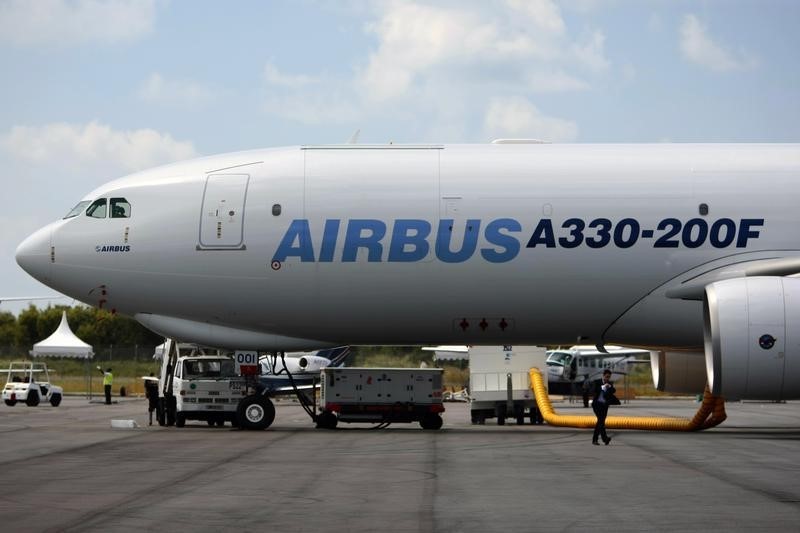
(693, 286)
(27, 298)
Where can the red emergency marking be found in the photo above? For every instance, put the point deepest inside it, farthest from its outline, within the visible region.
(249, 370)
(464, 324)
(483, 324)
(503, 324)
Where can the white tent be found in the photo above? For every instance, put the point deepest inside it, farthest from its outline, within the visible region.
(448, 353)
(62, 343)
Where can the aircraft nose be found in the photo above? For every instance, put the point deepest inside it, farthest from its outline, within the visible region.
(33, 254)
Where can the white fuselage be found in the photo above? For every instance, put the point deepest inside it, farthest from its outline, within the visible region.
(304, 247)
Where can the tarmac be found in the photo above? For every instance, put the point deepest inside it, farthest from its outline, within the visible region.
(66, 469)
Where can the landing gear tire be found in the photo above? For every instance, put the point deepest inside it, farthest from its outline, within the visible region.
(180, 420)
(161, 417)
(11, 403)
(33, 399)
(210, 423)
(327, 420)
(501, 415)
(431, 421)
(171, 409)
(255, 412)
(55, 400)
(519, 413)
(220, 422)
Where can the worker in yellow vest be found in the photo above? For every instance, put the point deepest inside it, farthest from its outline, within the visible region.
(108, 380)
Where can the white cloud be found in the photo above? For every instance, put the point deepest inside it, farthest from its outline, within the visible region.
(592, 54)
(432, 61)
(417, 40)
(275, 77)
(93, 144)
(517, 117)
(184, 93)
(543, 13)
(698, 47)
(64, 22)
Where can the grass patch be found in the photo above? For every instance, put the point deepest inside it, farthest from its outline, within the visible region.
(71, 374)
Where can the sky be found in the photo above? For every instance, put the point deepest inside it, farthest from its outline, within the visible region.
(93, 90)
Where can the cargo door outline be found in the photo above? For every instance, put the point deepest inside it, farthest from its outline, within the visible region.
(222, 212)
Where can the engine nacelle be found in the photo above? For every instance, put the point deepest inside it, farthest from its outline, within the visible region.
(678, 372)
(752, 347)
(313, 363)
(306, 364)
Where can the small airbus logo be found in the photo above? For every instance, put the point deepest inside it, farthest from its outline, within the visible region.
(766, 341)
(112, 248)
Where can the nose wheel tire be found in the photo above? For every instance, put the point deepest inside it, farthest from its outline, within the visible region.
(33, 399)
(255, 412)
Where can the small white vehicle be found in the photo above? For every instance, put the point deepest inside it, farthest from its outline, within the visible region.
(30, 383)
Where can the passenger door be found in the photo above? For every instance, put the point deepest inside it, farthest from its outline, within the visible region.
(222, 214)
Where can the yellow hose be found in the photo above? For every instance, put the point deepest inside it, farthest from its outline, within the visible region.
(710, 414)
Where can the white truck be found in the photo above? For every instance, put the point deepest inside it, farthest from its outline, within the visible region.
(500, 384)
(200, 387)
(381, 395)
(30, 383)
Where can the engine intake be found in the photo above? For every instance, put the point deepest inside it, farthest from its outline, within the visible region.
(751, 348)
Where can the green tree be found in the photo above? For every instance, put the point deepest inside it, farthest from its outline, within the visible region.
(27, 322)
(10, 332)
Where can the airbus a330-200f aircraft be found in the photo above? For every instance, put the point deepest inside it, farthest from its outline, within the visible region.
(687, 249)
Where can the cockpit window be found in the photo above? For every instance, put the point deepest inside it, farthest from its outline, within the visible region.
(78, 209)
(97, 209)
(120, 208)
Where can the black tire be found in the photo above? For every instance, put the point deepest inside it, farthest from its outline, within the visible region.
(171, 408)
(180, 420)
(161, 416)
(220, 422)
(11, 403)
(519, 414)
(500, 413)
(431, 421)
(255, 412)
(327, 420)
(210, 423)
(33, 399)
(55, 400)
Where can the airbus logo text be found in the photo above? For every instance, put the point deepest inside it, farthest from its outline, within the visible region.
(410, 240)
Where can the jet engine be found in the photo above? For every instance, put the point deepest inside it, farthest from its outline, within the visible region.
(752, 349)
(305, 364)
(678, 372)
(312, 363)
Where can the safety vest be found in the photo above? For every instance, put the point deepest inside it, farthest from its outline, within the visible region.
(108, 378)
